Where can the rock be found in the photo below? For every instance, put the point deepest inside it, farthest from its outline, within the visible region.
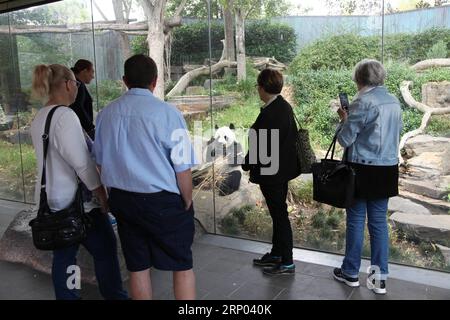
(17, 246)
(194, 90)
(6, 125)
(14, 137)
(248, 193)
(424, 143)
(436, 206)
(398, 204)
(434, 228)
(436, 94)
(428, 171)
(445, 252)
(434, 187)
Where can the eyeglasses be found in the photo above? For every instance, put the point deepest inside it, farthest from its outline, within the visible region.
(78, 83)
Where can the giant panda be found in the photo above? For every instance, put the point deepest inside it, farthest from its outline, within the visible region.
(226, 152)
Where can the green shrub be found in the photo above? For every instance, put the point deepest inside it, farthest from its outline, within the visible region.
(439, 125)
(230, 225)
(344, 51)
(437, 51)
(337, 52)
(190, 42)
(319, 220)
(266, 39)
(314, 89)
(108, 90)
(258, 223)
(302, 191)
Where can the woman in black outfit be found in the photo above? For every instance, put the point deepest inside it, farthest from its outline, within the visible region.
(276, 122)
(84, 72)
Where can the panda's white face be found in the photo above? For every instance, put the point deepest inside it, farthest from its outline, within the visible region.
(225, 136)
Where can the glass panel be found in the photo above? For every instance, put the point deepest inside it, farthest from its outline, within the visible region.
(53, 33)
(11, 101)
(316, 45)
(415, 33)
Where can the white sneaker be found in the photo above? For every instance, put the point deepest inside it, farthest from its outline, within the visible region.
(378, 287)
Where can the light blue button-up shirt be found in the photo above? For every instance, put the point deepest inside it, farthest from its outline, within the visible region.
(141, 143)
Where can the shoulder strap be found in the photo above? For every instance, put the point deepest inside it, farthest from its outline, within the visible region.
(45, 141)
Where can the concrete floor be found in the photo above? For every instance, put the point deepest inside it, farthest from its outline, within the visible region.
(223, 273)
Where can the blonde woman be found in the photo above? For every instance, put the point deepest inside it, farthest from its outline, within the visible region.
(67, 158)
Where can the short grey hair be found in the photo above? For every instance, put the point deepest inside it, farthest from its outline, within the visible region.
(369, 72)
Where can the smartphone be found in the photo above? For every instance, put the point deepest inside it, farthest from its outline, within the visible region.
(343, 98)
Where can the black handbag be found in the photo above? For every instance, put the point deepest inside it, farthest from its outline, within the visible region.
(58, 229)
(334, 180)
(305, 153)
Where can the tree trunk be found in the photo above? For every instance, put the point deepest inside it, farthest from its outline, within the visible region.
(191, 75)
(154, 12)
(119, 7)
(11, 97)
(230, 52)
(118, 11)
(240, 44)
(427, 110)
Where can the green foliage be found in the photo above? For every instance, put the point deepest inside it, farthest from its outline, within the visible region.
(315, 88)
(248, 219)
(438, 50)
(439, 126)
(108, 90)
(345, 50)
(301, 191)
(336, 52)
(190, 42)
(266, 39)
(313, 92)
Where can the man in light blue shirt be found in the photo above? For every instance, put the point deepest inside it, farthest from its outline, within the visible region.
(143, 148)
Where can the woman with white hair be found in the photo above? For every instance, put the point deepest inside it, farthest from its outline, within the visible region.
(370, 131)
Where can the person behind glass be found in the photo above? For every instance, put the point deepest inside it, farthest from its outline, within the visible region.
(67, 158)
(143, 148)
(276, 116)
(371, 133)
(84, 73)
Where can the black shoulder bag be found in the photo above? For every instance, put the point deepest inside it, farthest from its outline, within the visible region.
(334, 180)
(305, 153)
(60, 229)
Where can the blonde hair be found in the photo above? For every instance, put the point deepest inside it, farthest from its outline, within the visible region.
(47, 77)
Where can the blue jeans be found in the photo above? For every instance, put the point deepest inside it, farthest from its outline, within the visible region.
(101, 244)
(379, 237)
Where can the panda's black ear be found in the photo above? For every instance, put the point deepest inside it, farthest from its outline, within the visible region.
(216, 127)
(232, 126)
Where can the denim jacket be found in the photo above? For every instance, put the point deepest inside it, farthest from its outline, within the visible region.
(373, 127)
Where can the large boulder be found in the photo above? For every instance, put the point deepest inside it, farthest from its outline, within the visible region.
(445, 252)
(17, 246)
(436, 94)
(398, 204)
(428, 171)
(434, 228)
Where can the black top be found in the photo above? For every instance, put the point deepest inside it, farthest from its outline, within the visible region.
(277, 115)
(375, 182)
(84, 110)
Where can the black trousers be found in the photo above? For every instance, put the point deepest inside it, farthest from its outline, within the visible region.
(282, 243)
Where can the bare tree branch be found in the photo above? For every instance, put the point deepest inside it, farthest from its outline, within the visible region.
(99, 10)
(431, 63)
(427, 110)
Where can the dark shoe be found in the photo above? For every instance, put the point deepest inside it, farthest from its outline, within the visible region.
(267, 260)
(378, 287)
(339, 276)
(280, 269)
